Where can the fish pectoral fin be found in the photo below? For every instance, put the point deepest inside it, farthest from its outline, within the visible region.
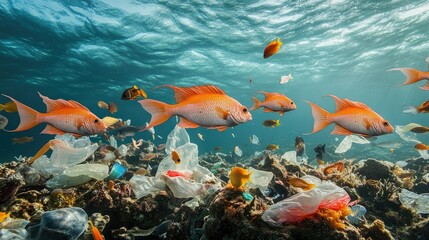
(49, 129)
(281, 113)
(222, 113)
(185, 123)
(367, 123)
(268, 110)
(340, 130)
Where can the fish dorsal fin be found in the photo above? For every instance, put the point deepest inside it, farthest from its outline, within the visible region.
(346, 103)
(182, 93)
(60, 103)
(270, 94)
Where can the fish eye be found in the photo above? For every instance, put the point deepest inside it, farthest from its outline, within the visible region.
(385, 124)
(134, 90)
(244, 110)
(291, 103)
(96, 121)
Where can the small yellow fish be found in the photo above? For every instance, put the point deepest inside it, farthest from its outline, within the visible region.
(271, 123)
(3, 216)
(320, 162)
(272, 147)
(22, 140)
(175, 156)
(8, 107)
(239, 177)
(300, 183)
(133, 93)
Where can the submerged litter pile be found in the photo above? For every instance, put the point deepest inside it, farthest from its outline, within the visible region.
(140, 192)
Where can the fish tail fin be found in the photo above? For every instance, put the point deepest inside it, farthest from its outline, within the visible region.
(256, 103)
(2, 107)
(278, 122)
(28, 116)
(158, 110)
(321, 117)
(413, 75)
(410, 109)
(290, 76)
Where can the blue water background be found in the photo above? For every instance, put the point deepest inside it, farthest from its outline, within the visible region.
(92, 50)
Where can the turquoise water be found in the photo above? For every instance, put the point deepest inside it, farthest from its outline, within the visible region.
(92, 50)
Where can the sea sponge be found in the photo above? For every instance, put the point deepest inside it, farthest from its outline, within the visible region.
(334, 217)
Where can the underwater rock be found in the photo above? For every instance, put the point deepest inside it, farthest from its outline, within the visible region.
(373, 169)
(31, 175)
(9, 186)
(376, 231)
(99, 221)
(64, 223)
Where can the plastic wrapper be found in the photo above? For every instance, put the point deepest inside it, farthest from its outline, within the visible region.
(177, 137)
(347, 142)
(78, 175)
(304, 204)
(259, 179)
(405, 134)
(420, 202)
(183, 188)
(358, 212)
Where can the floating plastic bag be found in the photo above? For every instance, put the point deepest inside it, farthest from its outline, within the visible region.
(178, 137)
(420, 202)
(358, 212)
(301, 205)
(259, 179)
(290, 156)
(182, 188)
(346, 144)
(404, 133)
(78, 175)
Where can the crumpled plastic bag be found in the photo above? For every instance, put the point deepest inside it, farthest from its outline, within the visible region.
(304, 204)
(420, 202)
(177, 140)
(346, 144)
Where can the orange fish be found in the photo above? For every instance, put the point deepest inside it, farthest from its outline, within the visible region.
(239, 177)
(274, 102)
(272, 48)
(423, 108)
(339, 166)
(175, 156)
(301, 183)
(413, 76)
(350, 117)
(62, 117)
(96, 235)
(421, 146)
(206, 106)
